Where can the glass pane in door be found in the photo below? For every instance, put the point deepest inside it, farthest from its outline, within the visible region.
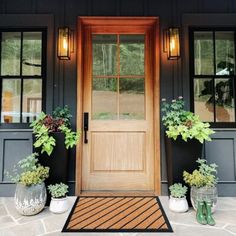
(132, 54)
(104, 99)
(118, 90)
(104, 54)
(131, 98)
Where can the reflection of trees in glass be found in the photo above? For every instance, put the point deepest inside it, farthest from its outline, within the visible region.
(132, 59)
(225, 53)
(104, 59)
(132, 85)
(10, 56)
(204, 53)
(32, 50)
(105, 84)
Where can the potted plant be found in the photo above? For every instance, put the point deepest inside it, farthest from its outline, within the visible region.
(185, 134)
(203, 183)
(53, 137)
(59, 203)
(177, 201)
(30, 194)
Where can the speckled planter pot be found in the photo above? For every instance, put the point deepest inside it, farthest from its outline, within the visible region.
(30, 200)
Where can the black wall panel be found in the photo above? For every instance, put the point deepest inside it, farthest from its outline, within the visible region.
(221, 150)
(104, 8)
(13, 147)
(132, 7)
(18, 7)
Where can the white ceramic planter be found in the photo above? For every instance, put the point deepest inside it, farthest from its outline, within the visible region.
(179, 205)
(59, 205)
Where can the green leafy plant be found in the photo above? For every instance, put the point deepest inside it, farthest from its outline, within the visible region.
(178, 190)
(204, 176)
(71, 138)
(45, 124)
(64, 114)
(28, 171)
(179, 122)
(58, 190)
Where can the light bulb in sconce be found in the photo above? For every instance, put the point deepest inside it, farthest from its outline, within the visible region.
(172, 43)
(64, 43)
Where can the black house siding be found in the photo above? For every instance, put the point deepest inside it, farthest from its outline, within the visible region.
(61, 76)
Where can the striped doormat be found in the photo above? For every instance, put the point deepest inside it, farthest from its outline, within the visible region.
(117, 214)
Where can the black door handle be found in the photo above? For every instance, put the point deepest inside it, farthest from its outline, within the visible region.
(86, 126)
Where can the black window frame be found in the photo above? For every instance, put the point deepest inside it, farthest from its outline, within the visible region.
(213, 76)
(21, 125)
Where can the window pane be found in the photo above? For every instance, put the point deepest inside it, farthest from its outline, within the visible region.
(203, 99)
(104, 99)
(132, 54)
(11, 100)
(10, 56)
(132, 98)
(225, 55)
(32, 99)
(32, 53)
(104, 55)
(224, 100)
(203, 53)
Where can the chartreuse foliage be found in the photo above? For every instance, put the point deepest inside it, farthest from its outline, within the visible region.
(178, 190)
(43, 140)
(58, 190)
(46, 124)
(28, 171)
(179, 122)
(204, 176)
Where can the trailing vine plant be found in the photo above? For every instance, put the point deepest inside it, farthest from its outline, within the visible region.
(45, 125)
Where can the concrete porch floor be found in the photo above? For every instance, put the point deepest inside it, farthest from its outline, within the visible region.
(46, 223)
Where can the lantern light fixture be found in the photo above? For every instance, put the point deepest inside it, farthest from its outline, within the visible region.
(65, 43)
(172, 43)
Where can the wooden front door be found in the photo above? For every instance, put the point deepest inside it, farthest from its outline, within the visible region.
(118, 96)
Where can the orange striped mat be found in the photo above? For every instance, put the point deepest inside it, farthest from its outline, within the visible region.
(117, 214)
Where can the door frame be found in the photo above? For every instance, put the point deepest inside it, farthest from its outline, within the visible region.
(152, 22)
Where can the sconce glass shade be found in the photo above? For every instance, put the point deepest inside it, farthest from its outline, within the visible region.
(172, 43)
(64, 43)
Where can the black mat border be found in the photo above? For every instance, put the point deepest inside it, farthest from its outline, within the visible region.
(169, 230)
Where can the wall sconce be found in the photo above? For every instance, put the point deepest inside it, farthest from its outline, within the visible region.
(65, 43)
(172, 43)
